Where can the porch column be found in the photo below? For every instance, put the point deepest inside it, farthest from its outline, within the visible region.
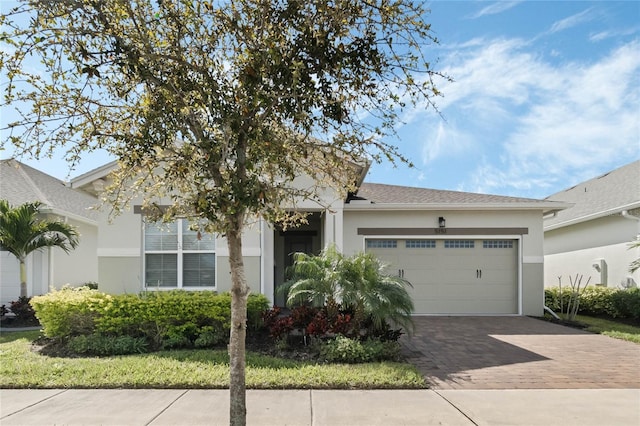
(333, 227)
(267, 264)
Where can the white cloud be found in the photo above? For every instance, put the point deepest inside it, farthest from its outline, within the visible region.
(531, 126)
(591, 120)
(572, 21)
(495, 8)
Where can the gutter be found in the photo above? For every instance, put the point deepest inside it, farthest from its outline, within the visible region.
(598, 215)
(68, 215)
(550, 206)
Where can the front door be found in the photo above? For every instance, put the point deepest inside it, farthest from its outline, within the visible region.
(296, 242)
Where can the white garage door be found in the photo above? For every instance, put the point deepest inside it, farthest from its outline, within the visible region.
(454, 276)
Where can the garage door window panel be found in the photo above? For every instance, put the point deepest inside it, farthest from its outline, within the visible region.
(459, 244)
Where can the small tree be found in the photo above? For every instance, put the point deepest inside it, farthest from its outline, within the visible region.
(216, 107)
(21, 233)
(357, 282)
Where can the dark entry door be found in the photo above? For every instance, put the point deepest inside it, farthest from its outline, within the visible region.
(296, 243)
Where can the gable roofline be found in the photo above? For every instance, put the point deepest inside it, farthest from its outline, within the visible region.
(21, 183)
(93, 175)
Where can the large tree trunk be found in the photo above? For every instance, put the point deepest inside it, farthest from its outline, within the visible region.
(237, 355)
(23, 278)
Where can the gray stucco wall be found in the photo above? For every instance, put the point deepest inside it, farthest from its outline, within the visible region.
(251, 268)
(532, 289)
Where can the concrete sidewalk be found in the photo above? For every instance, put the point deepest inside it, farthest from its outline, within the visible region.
(323, 407)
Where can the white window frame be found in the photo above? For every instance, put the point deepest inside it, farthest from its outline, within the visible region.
(179, 252)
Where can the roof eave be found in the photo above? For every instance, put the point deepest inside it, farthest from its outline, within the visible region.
(598, 215)
(93, 175)
(545, 207)
(69, 215)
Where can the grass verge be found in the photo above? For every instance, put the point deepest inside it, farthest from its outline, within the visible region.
(610, 328)
(20, 367)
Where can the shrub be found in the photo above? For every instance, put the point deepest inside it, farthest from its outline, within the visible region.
(627, 303)
(595, 300)
(168, 319)
(69, 311)
(256, 305)
(210, 337)
(101, 345)
(343, 349)
(23, 311)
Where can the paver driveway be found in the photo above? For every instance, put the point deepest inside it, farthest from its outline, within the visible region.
(518, 353)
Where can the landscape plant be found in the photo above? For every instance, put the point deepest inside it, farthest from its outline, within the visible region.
(216, 107)
(22, 232)
(623, 303)
(357, 285)
(168, 319)
(22, 367)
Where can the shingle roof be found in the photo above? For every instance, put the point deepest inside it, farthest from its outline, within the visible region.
(391, 194)
(20, 184)
(607, 194)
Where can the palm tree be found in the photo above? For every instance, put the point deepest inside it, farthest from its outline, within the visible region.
(21, 233)
(357, 282)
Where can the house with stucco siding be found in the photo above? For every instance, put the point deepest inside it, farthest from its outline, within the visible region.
(591, 238)
(48, 267)
(464, 253)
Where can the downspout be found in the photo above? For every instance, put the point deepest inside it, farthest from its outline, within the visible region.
(553, 314)
(627, 215)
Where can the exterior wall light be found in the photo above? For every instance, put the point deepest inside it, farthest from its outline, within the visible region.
(441, 222)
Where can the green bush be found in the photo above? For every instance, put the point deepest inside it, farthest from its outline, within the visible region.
(69, 311)
(627, 303)
(166, 319)
(596, 300)
(351, 351)
(101, 345)
(23, 310)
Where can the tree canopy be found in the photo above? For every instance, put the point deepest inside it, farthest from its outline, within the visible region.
(216, 106)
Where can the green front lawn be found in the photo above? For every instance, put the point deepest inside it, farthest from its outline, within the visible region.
(21, 367)
(611, 328)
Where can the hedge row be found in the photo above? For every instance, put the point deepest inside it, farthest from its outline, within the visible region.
(595, 300)
(164, 319)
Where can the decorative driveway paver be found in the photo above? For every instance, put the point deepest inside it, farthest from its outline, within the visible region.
(518, 353)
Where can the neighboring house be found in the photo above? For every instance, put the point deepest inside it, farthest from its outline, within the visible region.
(464, 253)
(591, 239)
(20, 184)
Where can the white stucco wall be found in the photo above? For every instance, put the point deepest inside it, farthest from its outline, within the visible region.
(80, 265)
(573, 250)
(617, 258)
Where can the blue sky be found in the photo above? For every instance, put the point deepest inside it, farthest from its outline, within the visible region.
(546, 95)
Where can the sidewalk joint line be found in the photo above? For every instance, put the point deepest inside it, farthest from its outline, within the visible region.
(35, 403)
(166, 408)
(455, 406)
(311, 406)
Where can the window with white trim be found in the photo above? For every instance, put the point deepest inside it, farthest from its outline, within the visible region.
(177, 257)
(459, 244)
(497, 244)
